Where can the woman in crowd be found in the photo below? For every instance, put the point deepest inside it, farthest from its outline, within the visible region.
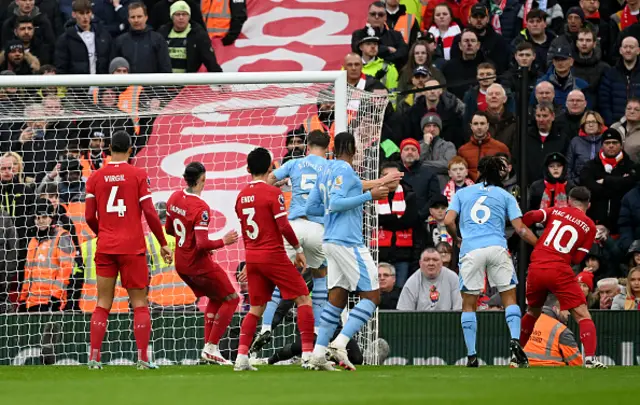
(444, 29)
(631, 299)
(419, 55)
(586, 145)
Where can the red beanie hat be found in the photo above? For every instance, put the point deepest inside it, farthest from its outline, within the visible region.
(586, 278)
(410, 141)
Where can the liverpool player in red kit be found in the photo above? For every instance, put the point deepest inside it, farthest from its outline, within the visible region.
(263, 218)
(188, 220)
(117, 195)
(567, 238)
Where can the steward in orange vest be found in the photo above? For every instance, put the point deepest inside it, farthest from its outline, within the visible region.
(403, 22)
(224, 18)
(49, 265)
(551, 343)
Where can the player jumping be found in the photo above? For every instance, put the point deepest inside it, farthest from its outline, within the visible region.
(338, 195)
(482, 209)
(567, 238)
(263, 218)
(188, 220)
(117, 195)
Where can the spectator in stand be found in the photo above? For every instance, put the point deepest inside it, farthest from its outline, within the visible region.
(525, 56)
(629, 218)
(504, 17)
(392, 48)
(609, 177)
(398, 19)
(509, 181)
(25, 31)
(389, 291)
(443, 29)
(629, 128)
(446, 254)
(545, 93)
(355, 77)
(599, 25)
(620, 21)
(189, 45)
(44, 30)
(160, 14)
(542, 139)
(72, 187)
(620, 82)
(502, 121)
(8, 255)
(460, 11)
(57, 91)
(481, 144)
(537, 34)
(552, 190)
(585, 279)
(629, 300)
(569, 120)
(569, 35)
(586, 146)
(608, 288)
(632, 258)
(433, 288)
(553, 14)
(436, 230)
(397, 220)
(375, 66)
(446, 105)
(85, 47)
(419, 56)
(435, 152)
(49, 263)
(475, 99)
(418, 81)
(224, 19)
(11, 103)
(458, 177)
(145, 50)
(16, 60)
(464, 70)
(111, 14)
(492, 45)
(588, 63)
(561, 76)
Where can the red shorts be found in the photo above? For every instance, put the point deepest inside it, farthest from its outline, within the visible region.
(212, 282)
(560, 282)
(133, 270)
(264, 277)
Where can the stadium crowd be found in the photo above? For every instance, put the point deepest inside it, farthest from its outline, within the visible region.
(581, 62)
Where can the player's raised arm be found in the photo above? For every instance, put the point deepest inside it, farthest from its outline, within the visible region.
(342, 183)
(281, 173)
(382, 181)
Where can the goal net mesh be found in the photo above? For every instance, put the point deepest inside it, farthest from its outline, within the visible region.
(51, 140)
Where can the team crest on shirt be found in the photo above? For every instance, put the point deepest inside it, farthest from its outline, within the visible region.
(338, 182)
(434, 294)
(281, 199)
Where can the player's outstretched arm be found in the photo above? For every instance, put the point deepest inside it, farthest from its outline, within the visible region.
(382, 181)
(534, 217)
(204, 243)
(524, 232)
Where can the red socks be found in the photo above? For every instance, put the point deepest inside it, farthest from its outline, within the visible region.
(247, 330)
(210, 317)
(97, 330)
(222, 320)
(142, 331)
(588, 337)
(526, 328)
(305, 326)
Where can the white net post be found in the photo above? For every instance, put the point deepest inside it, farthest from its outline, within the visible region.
(216, 118)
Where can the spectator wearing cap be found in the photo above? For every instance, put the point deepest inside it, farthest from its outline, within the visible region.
(95, 156)
(392, 47)
(620, 82)
(629, 128)
(588, 63)
(458, 177)
(538, 35)
(375, 66)
(561, 76)
(398, 19)
(435, 152)
(352, 63)
(553, 189)
(502, 120)
(389, 291)
(160, 13)
(585, 279)
(16, 60)
(621, 24)
(189, 44)
(419, 57)
(492, 45)
(480, 145)
(569, 120)
(524, 56)
(609, 177)
(435, 228)
(418, 81)
(43, 24)
(397, 235)
(463, 70)
(629, 300)
(433, 288)
(543, 138)
(444, 29)
(629, 219)
(569, 35)
(85, 47)
(608, 288)
(50, 256)
(459, 11)
(146, 50)
(72, 187)
(24, 31)
(586, 146)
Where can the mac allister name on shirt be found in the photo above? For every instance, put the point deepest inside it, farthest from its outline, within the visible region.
(114, 178)
(570, 218)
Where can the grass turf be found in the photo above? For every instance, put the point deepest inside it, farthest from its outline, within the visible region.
(124, 385)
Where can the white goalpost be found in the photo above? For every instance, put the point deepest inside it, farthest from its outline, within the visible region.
(54, 131)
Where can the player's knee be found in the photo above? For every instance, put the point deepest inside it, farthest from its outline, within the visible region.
(303, 300)
(580, 313)
(232, 299)
(319, 273)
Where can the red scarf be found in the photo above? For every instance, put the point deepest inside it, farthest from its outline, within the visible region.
(554, 195)
(593, 16)
(397, 206)
(626, 18)
(610, 163)
(495, 16)
(450, 188)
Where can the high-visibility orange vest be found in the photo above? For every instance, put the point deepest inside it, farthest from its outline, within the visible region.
(75, 211)
(47, 271)
(544, 347)
(313, 123)
(217, 17)
(404, 25)
(128, 102)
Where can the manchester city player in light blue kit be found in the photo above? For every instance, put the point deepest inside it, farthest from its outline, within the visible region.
(483, 209)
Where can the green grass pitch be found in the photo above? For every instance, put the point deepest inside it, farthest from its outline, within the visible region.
(195, 385)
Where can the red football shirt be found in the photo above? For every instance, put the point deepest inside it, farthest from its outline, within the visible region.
(119, 189)
(185, 213)
(567, 231)
(258, 206)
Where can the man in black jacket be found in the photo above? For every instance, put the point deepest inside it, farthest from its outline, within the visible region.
(43, 25)
(189, 45)
(144, 49)
(85, 47)
(25, 31)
